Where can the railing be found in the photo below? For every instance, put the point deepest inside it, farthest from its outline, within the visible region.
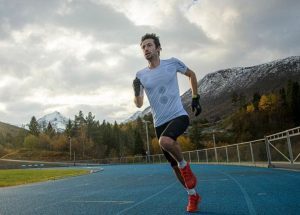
(271, 151)
(284, 147)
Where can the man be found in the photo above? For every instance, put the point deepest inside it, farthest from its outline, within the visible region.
(159, 80)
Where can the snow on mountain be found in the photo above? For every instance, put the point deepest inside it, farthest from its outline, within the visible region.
(229, 80)
(133, 117)
(216, 88)
(57, 120)
(137, 114)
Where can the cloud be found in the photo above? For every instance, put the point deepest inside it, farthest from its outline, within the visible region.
(68, 55)
(262, 29)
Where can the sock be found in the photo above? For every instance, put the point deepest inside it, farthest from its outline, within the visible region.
(182, 164)
(191, 191)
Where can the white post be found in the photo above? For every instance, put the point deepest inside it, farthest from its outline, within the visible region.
(148, 147)
(74, 158)
(70, 143)
(290, 147)
(238, 153)
(226, 154)
(216, 155)
(268, 151)
(252, 155)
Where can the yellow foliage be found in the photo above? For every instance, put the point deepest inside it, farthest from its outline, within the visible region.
(185, 143)
(155, 146)
(60, 143)
(268, 102)
(273, 100)
(263, 103)
(250, 108)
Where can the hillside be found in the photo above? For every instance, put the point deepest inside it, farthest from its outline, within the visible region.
(9, 129)
(216, 89)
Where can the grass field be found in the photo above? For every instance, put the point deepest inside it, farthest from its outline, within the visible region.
(14, 177)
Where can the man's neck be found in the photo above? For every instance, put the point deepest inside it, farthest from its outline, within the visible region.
(153, 63)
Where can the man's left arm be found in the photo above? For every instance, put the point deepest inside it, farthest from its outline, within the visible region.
(196, 107)
(193, 81)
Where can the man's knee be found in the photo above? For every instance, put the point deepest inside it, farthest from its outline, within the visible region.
(166, 142)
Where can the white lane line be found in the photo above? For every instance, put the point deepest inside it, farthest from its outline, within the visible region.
(262, 194)
(294, 176)
(245, 194)
(213, 180)
(148, 198)
(101, 201)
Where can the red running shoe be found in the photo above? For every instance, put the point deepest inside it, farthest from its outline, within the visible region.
(189, 178)
(194, 200)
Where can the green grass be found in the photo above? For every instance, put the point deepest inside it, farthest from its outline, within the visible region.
(14, 177)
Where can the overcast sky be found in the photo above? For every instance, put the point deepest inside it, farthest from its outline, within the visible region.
(71, 55)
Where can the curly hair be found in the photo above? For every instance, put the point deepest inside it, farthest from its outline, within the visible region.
(151, 36)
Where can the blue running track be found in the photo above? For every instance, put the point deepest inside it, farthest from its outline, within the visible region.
(153, 189)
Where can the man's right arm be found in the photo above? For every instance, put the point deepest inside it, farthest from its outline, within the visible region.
(138, 100)
(138, 92)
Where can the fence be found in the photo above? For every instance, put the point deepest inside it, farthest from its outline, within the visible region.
(276, 150)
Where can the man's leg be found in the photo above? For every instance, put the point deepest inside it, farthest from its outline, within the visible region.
(173, 148)
(167, 135)
(174, 165)
(194, 198)
(177, 172)
(178, 175)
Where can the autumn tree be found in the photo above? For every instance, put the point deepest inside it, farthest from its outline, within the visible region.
(268, 102)
(31, 142)
(155, 146)
(250, 108)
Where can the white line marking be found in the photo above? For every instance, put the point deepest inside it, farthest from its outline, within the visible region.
(213, 180)
(245, 194)
(101, 201)
(261, 194)
(148, 198)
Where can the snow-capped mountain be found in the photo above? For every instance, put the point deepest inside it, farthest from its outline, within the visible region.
(138, 114)
(216, 88)
(133, 117)
(229, 80)
(57, 120)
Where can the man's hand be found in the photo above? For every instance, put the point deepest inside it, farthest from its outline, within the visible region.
(137, 86)
(196, 105)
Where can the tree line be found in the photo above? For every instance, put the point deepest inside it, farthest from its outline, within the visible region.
(267, 113)
(90, 139)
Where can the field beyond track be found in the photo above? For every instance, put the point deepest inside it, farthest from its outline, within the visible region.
(14, 177)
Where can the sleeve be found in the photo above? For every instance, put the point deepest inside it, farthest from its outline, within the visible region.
(180, 66)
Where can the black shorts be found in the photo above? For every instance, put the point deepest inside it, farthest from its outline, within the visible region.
(173, 129)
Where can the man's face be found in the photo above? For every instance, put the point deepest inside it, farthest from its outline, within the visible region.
(149, 49)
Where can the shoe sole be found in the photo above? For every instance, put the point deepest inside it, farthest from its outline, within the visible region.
(198, 203)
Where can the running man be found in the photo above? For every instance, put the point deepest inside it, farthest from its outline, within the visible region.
(159, 81)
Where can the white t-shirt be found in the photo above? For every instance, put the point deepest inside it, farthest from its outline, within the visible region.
(162, 90)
